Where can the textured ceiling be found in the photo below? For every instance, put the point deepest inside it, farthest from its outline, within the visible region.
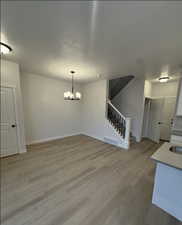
(97, 39)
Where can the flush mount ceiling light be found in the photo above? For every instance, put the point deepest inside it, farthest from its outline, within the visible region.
(5, 49)
(70, 95)
(164, 79)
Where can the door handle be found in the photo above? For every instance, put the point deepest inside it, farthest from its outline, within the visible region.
(160, 123)
(13, 125)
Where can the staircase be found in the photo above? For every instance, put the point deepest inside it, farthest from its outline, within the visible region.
(116, 85)
(120, 123)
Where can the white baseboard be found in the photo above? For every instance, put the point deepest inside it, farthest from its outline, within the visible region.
(92, 136)
(50, 139)
(120, 145)
(23, 150)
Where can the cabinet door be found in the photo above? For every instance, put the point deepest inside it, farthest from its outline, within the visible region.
(179, 103)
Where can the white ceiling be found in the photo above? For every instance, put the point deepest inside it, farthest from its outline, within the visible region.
(98, 39)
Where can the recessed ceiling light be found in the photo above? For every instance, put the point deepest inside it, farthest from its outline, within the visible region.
(164, 79)
(5, 49)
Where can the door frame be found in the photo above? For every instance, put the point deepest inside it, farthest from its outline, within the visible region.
(160, 115)
(167, 97)
(13, 88)
(157, 98)
(145, 125)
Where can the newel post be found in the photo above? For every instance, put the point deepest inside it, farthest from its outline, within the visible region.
(127, 134)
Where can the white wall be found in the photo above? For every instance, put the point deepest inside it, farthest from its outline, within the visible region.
(168, 89)
(162, 90)
(179, 100)
(10, 76)
(130, 102)
(47, 114)
(178, 119)
(94, 122)
(147, 89)
(158, 90)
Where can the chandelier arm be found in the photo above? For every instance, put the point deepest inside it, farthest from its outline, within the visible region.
(72, 85)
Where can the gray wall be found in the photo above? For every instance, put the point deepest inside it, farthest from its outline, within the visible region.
(47, 114)
(168, 89)
(94, 122)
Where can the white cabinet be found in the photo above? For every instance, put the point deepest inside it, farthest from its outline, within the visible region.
(176, 140)
(179, 101)
(167, 190)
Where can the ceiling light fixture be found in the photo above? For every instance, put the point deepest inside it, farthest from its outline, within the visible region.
(70, 95)
(5, 49)
(164, 79)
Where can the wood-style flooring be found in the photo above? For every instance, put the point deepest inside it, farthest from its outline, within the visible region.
(80, 181)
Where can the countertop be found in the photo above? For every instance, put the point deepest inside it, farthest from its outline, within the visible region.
(164, 155)
(177, 132)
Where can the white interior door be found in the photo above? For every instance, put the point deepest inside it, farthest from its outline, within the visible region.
(167, 118)
(9, 142)
(155, 118)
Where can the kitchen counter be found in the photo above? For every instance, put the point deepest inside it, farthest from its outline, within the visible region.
(168, 181)
(177, 132)
(164, 155)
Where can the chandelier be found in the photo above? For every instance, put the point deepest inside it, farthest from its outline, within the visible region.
(71, 95)
(5, 49)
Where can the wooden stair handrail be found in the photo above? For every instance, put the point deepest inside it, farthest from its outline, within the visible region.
(125, 121)
(109, 102)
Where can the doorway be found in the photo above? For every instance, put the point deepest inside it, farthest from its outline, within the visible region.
(9, 138)
(158, 118)
(168, 112)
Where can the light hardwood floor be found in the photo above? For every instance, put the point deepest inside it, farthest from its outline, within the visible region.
(80, 181)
